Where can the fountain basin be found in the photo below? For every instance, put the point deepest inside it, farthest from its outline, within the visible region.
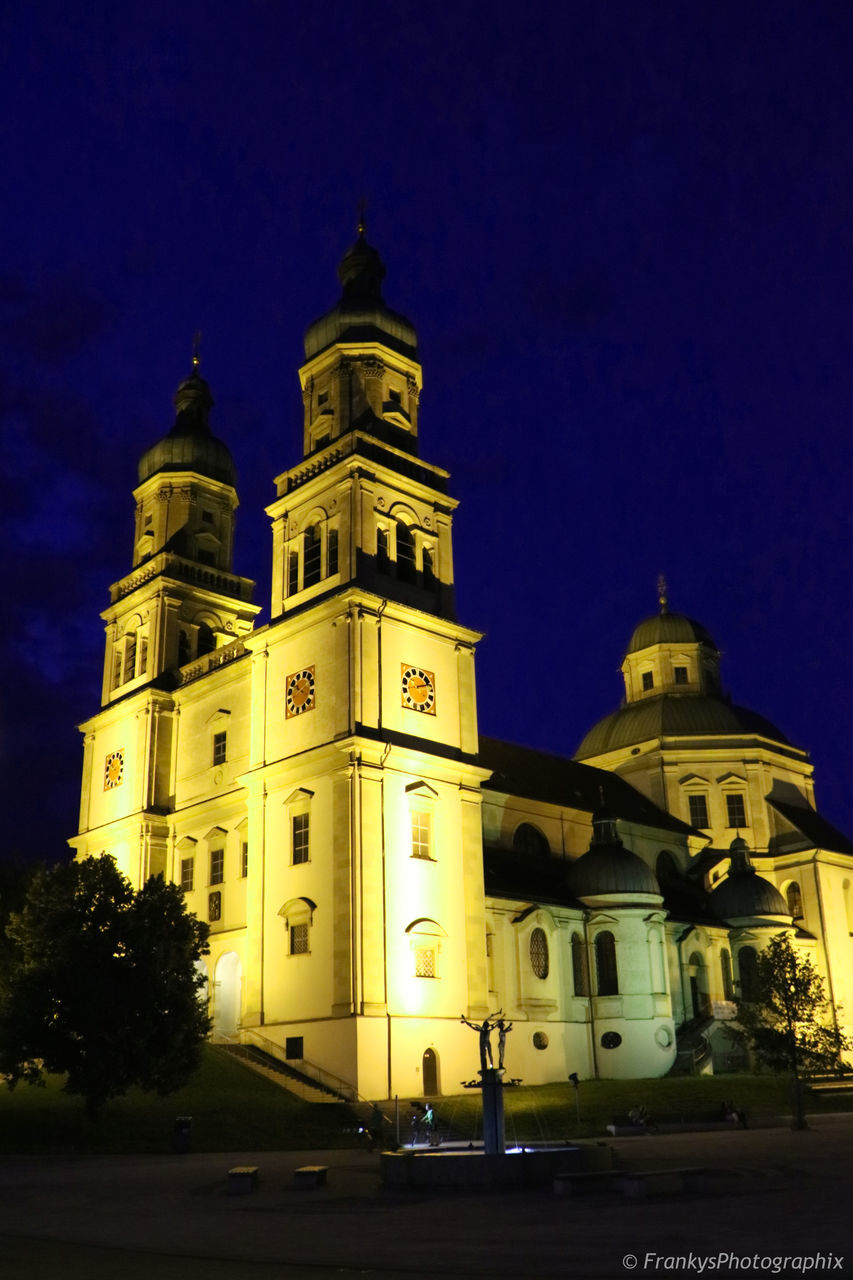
(473, 1169)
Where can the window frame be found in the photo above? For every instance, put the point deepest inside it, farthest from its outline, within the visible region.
(731, 798)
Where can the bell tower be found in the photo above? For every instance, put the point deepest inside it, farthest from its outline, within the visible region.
(181, 599)
(362, 507)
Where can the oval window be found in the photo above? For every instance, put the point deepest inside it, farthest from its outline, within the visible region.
(539, 953)
(540, 1040)
(611, 1040)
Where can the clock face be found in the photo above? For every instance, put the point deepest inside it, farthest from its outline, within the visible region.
(300, 692)
(113, 770)
(418, 689)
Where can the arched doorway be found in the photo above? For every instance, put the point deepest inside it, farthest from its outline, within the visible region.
(226, 995)
(430, 1073)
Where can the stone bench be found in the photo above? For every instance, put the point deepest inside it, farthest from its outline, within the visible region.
(579, 1184)
(242, 1179)
(627, 1130)
(662, 1182)
(311, 1175)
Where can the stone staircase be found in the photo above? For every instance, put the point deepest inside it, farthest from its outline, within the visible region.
(281, 1073)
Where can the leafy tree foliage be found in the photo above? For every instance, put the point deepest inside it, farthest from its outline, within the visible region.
(788, 1020)
(103, 984)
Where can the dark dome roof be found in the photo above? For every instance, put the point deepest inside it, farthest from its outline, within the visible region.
(745, 893)
(668, 628)
(608, 867)
(189, 446)
(674, 715)
(361, 315)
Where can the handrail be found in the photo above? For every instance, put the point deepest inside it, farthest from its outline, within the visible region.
(323, 1077)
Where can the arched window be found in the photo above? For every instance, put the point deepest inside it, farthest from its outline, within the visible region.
(795, 900)
(405, 553)
(425, 939)
(539, 953)
(606, 975)
(726, 972)
(311, 557)
(580, 968)
(298, 916)
(748, 965)
(529, 839)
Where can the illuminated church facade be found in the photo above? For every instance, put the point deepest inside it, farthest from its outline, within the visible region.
(371, 868)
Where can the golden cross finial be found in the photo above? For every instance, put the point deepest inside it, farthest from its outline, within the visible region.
(362, 220)
(662, 594)
(196, 350)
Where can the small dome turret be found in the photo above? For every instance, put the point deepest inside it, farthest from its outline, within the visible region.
(608, 868)
(669, 628)
(744, 893)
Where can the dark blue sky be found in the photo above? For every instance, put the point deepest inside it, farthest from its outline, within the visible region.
(624, 234)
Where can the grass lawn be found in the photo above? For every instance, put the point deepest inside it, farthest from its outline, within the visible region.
(233, 1109)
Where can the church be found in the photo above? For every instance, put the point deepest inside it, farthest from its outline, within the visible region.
(371, 867)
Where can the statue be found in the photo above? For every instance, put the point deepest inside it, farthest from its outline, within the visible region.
(498, 1023)
(504, 1029)
(485, 1031)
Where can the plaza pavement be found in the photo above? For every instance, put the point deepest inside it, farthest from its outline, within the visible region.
(771, 1192)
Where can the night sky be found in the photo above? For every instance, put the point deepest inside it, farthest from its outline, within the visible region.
(624, 234)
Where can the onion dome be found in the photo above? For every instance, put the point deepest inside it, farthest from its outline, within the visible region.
(744, 893)
(361, 315)
(608, 867)
(190, 446)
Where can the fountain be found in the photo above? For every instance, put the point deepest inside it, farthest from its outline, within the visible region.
(490, 1165)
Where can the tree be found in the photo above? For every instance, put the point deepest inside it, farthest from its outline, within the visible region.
(788, 1020)
(103, 984)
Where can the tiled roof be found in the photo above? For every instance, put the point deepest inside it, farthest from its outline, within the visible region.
(558, 780)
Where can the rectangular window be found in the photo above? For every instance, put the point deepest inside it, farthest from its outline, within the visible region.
(421, 834)
(424, 962)
(648, 680)
(143, 655)
(680, 674)
(300, 830)
(117, 668)
(217, 866)
(293, 574)
(322, 398)
(736, 810)
(698, 811)
(207, 517)
(187, 874)
(220, 747)
(244, 859)
(299, 939)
